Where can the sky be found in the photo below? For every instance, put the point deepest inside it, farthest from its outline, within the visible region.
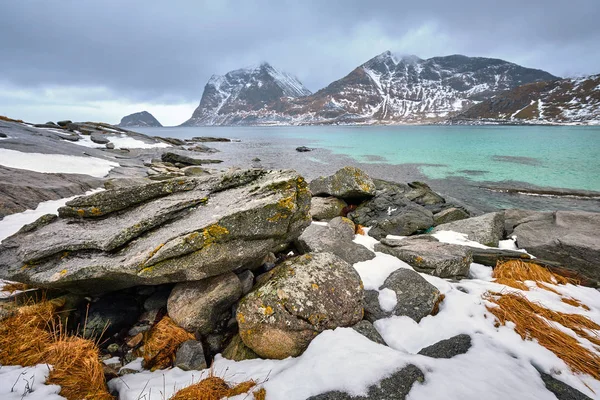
(99, 60)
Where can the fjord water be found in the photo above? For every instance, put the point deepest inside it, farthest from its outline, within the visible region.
(565, 157)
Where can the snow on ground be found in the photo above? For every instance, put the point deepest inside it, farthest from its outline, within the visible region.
(56, 163)
(499, 364)
(27, 383)
(10, 224)
(121, 141)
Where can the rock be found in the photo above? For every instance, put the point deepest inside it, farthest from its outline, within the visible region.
(208, 139)
(109, 314)
(486, 229)
(200, 148)
(303, 149)
(177, 158)
(247, 281)
(158, 299)
(194, 170)
(336, 238)
(416, 298)
(491, 256)
(185, 229)
(561, 390)
(99, 138)
(190, 356)
(449, 215)
(448, 348)
(64, 123)
(395, 387)
(514, 217)
(110, 146)
(422, 194)
(347, 183)
(236, 350)
(567, 237)
(305, 296)
(198, 307)
(326, 208)
(136, 340)
(3, 135)
(429, 256)
(256, 159)
(173, 141)
(367, 329)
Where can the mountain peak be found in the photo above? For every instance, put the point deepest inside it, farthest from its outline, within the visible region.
(142, 118)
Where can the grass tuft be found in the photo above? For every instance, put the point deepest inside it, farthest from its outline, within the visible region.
(162, 342)
(12, 287)
(514, 272)
(214, 388)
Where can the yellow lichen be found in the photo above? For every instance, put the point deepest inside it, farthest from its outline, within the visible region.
(315, 286)
(213, 233)
(63, 272)
(81, 212)
(268, 310)
(241, 318)
(96, 211)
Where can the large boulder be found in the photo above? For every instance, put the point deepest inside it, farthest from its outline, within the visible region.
(570, 238)
(326, 208)
(178, 158)
(347, 183)
(213, 225)
(415, 297)
(99, 138)
(304, 296)
(198, 307)
(422, 194)
(426, 254)
(334, 238)
(487, 229)
(449, 215)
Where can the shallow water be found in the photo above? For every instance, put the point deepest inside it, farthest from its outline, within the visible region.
(456, 160)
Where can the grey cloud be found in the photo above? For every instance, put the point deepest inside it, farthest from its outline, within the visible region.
(164, 52)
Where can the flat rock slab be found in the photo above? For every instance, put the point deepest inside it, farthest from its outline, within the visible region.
(430, 256)
(215, 225)
(487, 229)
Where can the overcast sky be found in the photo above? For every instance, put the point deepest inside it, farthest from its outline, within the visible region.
(102, 59)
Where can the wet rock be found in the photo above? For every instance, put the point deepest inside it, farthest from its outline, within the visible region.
(335, 238)
(190, 356)
(184, 229)
(566, 237)
(177, 158)
(236, 350)
(427, 255)
(367, 329)
(487, 229)
(200, 148)
(99, 138)
(198, 307)
(395, 387)
(305, 296)
(347, 183)
(303, 149)
(448, 348)
(449, 215)
(416, 298)
(326, 208)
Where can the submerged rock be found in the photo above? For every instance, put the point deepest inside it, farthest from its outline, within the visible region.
(487, 229)
(304, 296)
(335, 238)
(570, 238)
(326, 208)
(303, 149)
(347, 183)
(204, 227)
(425, 254)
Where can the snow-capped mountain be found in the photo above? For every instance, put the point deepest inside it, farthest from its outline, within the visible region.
(142, 118)
(559, 101)
(385, 89)
(239, 96)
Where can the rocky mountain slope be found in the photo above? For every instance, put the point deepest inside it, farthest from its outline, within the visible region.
(385, 89)
(239, 96)
(142, 118)
(556, 101)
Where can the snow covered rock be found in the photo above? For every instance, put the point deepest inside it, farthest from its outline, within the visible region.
(304, 296)
(335, 238)
(415, 297)
(346, 183)
(199, 306)
(425, 254)
(448, 348)
(568, 237)
(220, 223)
(326, 208)
(487, 229)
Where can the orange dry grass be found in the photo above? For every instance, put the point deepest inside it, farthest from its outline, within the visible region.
(436, 306)
(514, 272)
(162, 342)
(532, 321)
(360, 230)
(260, 394)
(3, 118)
(574, 302)
(33, 335)
(212, 388)
(12, 287)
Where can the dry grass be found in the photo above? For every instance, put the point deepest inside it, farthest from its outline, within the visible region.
(12, 287)
(162, 342)
(514, 272)
(260, 394)
(436, 306)
(34, 335)
(360, 230)
(533, 321)
(574, 302)
(214, 388)
(3, 118)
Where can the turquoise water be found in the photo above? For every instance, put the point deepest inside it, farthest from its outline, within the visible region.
(549, 156)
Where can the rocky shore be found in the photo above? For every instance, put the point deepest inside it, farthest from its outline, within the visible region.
(177, 267)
